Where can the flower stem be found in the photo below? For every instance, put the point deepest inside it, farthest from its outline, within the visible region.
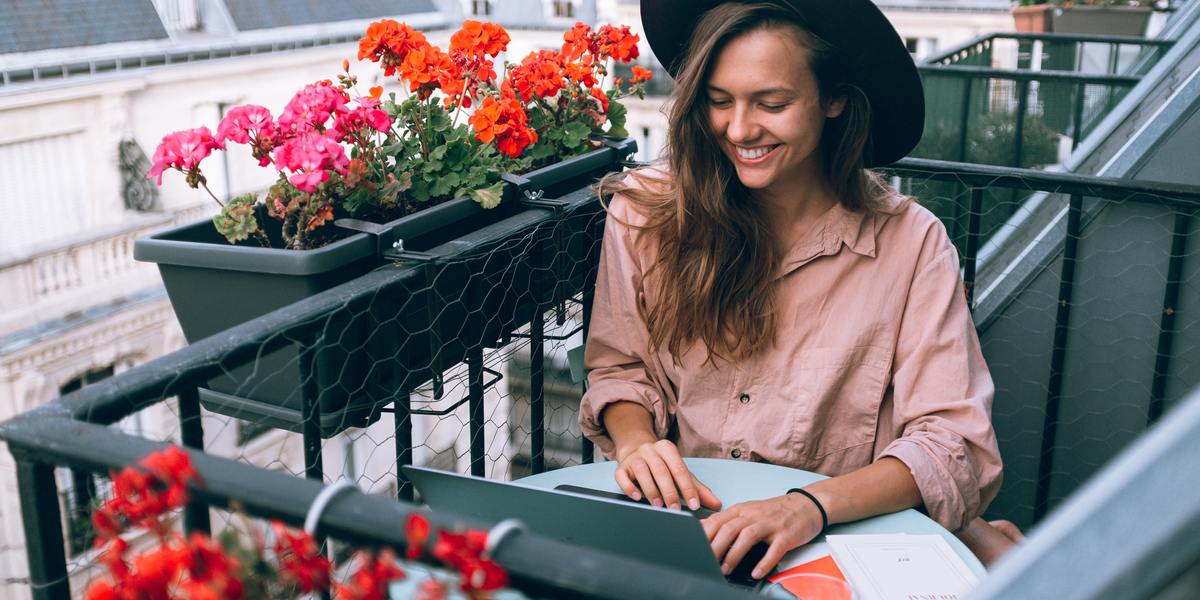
(212, 195)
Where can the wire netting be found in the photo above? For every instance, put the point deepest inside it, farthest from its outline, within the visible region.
(445, 352)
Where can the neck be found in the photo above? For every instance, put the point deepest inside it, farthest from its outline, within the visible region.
(796, 207)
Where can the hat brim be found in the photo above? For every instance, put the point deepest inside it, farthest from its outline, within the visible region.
(864, 40)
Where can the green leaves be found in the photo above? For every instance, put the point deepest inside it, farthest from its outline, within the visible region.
(617, 114)
(236, 221)
(575, 134)
(488, 197)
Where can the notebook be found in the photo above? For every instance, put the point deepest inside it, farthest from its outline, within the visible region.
(902, 566)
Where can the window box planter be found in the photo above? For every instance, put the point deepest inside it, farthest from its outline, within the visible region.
(213, 286)
(1034, 18)
(1104, 20)
(1101, 20)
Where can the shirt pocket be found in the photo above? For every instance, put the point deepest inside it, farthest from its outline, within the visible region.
(839, 391)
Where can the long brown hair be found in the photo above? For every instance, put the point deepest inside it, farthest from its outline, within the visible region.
(716, 253)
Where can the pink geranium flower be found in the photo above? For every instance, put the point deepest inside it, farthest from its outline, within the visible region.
(310, 108)
(310, 157)
(367, 114)
(182, 150)
(250, 124)
(243, 124)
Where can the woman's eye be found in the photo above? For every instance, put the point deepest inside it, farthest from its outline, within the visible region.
(775, 107)
(718, 103)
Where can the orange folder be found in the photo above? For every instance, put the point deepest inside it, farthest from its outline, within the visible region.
(821, 566)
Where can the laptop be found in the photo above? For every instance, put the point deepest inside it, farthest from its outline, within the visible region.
(593, 518)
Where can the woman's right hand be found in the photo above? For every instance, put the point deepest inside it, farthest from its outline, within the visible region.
(656, 469)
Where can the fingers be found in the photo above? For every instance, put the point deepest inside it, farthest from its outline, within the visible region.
(723, 540)
(626, 484)
(745, 539)
(682, 476)
(665, 481)
(774, 554)
(713, 524)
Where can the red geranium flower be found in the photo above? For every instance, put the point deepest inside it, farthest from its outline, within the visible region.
(370, 581)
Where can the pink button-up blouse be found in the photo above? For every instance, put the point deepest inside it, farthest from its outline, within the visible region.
(876, 355)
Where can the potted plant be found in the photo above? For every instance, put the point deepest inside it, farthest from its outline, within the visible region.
(1105, 17)
(290, 564)
(420, 167)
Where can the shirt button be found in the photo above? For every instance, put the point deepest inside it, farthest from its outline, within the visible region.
(744, 398)
(736, 453)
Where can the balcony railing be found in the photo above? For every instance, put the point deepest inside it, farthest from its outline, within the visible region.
(444, 321)
(1019, 94)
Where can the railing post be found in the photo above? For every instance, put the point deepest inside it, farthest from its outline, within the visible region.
(42, 521)
(972, 244)
(587, 450)
(1077, 117)
(191, 433)
(475, 389)
(968, 83)
(1019, 130)
(1166, 325)
(537, 389)
(1058, 356)
(310, 411)
(403, 424)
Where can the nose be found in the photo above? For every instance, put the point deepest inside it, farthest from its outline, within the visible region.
(742, 127)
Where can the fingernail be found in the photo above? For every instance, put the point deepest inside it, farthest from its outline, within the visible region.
(656, 502)
(693, 504)
(756, 574)
(636, 497)
(675, 506)
(724, 569)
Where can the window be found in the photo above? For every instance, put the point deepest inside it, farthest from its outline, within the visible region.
(564, 9)
(911, 44)
(481, 7)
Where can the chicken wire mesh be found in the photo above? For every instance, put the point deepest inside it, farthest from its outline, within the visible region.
(447, 354)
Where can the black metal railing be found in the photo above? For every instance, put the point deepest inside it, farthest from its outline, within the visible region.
(1019, 92)
(501, 285)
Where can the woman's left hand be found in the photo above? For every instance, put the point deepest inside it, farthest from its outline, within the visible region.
(783, 522)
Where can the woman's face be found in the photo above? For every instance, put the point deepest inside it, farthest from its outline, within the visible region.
(765, 108)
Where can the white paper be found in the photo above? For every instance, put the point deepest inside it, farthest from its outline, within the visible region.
(902, 567)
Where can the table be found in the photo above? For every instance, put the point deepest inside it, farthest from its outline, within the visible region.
(735, 481)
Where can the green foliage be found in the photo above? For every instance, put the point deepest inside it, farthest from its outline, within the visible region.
(616, 117)
(236, 221)
(991, 140)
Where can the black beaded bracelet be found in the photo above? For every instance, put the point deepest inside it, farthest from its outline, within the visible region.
(824, 515)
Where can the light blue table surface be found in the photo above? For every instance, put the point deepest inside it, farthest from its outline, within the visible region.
(735, 481)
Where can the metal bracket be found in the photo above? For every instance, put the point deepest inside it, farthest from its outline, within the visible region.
(384, 235)
(397, 252)
(497, 376)
(532, 198)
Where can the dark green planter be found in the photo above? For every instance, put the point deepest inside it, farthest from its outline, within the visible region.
(1101, 20)
(214, 286)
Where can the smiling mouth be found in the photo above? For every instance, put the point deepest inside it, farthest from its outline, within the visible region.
(755, 153)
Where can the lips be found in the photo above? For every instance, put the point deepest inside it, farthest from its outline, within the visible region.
(756, 154)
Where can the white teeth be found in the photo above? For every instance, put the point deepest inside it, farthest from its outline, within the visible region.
(753, 153)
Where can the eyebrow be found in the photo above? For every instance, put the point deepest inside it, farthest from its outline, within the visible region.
(763, 92)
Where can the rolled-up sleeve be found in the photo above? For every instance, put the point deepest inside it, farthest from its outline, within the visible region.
(616, 355)
(942, 393)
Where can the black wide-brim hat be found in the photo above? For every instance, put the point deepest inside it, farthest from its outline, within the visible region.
(866, 44)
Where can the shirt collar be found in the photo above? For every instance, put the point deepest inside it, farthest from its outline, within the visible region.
(854, 229)
(838, 227)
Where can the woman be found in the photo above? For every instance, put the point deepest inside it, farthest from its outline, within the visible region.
(762, 296)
